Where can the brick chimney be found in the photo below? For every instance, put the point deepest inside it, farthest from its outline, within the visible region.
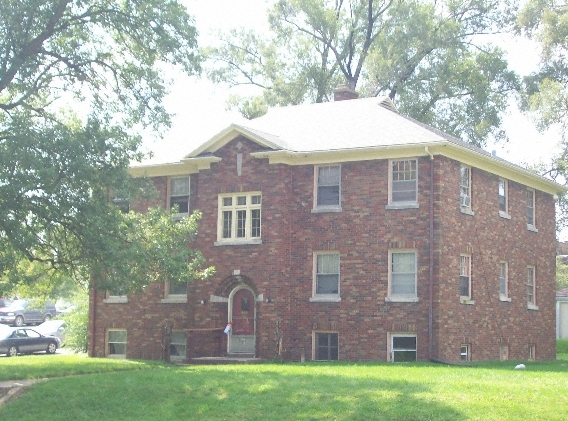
(344, 92)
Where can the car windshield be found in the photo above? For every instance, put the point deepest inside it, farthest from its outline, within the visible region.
(18, 305)
(49, 325)
(5, 331)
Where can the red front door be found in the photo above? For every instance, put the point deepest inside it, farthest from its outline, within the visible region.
(242, 336)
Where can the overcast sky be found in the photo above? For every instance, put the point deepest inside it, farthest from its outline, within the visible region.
(200, 106)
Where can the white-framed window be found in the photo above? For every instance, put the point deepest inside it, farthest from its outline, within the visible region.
(504, 281)
(327, 187)
(532, 352)
(116, 343)
(403, 182)
(465, 189)
(503, 195)
(504, 352)
(178, 345)
(531, 288)
(175, 292)
(239, 218)
(465, 276)
(402, 347)
(326, 276)
(402, 275)
(465, 352)
(116, 295)
(179, 194)
(531, 214)
(326, 346)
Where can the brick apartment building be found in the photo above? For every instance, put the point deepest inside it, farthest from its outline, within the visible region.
(346, 231)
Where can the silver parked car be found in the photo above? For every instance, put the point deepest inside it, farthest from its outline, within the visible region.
(53, 328)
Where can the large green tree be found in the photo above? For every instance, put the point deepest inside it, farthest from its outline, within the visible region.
(546, 90)
(79, 80)
(433, 58)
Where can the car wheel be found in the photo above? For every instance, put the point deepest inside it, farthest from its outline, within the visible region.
(19, 321)
(12, 351)
(51, 348)
(47, 317)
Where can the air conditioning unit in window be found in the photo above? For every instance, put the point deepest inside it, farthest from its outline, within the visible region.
(465, 201)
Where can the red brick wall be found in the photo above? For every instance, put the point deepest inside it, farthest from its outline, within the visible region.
(281, 268)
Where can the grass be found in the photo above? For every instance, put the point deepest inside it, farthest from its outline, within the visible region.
(41, 366)
(562, 349)
(341, 391)
(135, 390)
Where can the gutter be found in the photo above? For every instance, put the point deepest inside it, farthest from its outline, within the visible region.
(431, 259)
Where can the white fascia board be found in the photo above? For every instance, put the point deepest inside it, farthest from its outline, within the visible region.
(228, 134)
(183, 167)
(445, 148)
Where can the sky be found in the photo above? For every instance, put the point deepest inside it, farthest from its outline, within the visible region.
(200, 111)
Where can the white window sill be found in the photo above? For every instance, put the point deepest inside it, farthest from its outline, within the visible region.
(182, 299)
(467, 211)
(409, 205)
(393, 299)
(324, 299)
(238, 242)
(532, 307)
(505, 299)
(466, 300)
(531, 228)
(327, 209)
(115, 300)
(504, 215)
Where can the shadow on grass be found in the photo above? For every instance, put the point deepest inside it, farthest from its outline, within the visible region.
(224, 392)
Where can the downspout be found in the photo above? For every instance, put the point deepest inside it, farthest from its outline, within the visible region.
(431, 258)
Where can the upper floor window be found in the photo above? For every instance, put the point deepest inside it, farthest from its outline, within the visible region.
(404, 182)
(503, 198)
(402, 275)
(465, 276)
(239, 217)
(504, 281)
(179, 194)
(530, 210)
(123, 204)
(326, 275)
(175, 292)
(465, 189)
(531, 288)
(328, 187)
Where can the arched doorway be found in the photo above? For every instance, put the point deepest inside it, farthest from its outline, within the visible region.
(242, 313)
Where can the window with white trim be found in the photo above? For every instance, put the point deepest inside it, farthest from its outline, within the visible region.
(532, 352)
(465, 352)
(504, 281)
(465, 189)
(504, 352)
(326, 275)
(179, 194)
(116, 294)
(503, 195)
(116, 343)
(402, 347)
(530, 209)
(326, 346)
(178, 345)
(239, 217)
(402, 274)
(328, 187)
(175, 292)
(531, 293)
(465, 276)
(404, 182)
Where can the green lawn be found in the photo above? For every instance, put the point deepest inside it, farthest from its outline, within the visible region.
(293, 391)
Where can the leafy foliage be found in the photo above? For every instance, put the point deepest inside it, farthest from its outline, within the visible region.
(77, 330)
(428, 55)
(60, 167)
